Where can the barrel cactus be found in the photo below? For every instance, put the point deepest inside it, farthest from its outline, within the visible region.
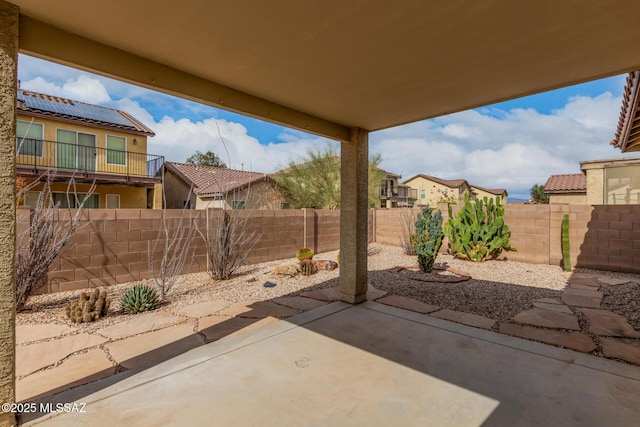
(140, 298)
(304, 253)
(308, 267)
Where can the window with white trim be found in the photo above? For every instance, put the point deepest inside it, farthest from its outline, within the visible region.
(113, 201)
(116, 150)
(29, 137)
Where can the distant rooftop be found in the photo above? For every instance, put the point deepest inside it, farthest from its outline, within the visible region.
(453, 183)
(569, 183)
(209, 180)
(54, 107)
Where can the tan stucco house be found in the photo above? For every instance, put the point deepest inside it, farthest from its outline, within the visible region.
(567, 189)
(62, 138)
(218, 188)
(431, 190)
(490, 193)
(394, 194)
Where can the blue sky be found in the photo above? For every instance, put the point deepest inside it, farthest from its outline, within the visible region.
(511, 145)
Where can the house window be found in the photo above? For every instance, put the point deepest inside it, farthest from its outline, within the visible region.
(31, 199)
(116, 150)
(113, 201)
(622, 185)
(186, 204)
(423, 194)
(238, 204)
(29, 137)
(75, 150)
(93, 202)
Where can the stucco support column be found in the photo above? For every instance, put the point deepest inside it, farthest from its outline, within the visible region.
(8, 86)
(354, 205)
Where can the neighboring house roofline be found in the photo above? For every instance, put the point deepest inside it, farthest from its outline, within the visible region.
(452, 183)
(228, 180)
(566, 184)
(627, 137)
(75, 115)
(495, 191)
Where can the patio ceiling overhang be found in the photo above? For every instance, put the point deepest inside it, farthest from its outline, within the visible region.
(328, 66)
(627, 136)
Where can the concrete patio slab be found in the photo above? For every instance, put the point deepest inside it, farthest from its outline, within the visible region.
(203, 309)
(29, 333)
(259, 310)
(152, 347)
(217, 327)
(370, 364)
(607, 323)
(408, 304)
(573, 340)
(140, 323)
(76, 370)
(301, 303)
(465, 318)
(31, 358)
(333, 294)
(547, 319)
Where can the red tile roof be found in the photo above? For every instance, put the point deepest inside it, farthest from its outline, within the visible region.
(570, 183)
(68, 110)
(627, 137)
(209, 180)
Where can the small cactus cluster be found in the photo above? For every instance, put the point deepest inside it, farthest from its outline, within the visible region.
(89, 307)
(140, 298)
(308, 267)
(304, 253)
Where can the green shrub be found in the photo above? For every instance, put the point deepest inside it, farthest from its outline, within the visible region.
(140, 298)
(304, 253)
(566, 253)
(88, 308)
(478, 231)
(428, 237)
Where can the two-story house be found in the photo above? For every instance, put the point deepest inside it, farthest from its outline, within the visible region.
(63, 139)
(396, 195)
(431, 190)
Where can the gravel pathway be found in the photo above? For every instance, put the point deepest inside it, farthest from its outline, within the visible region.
(498, 289)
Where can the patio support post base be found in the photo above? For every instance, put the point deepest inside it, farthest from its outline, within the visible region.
(8, 86)
(354, 205)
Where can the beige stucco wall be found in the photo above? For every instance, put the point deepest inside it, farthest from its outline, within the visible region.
(8, 86)
(50, 127)
(433, 191)
(480, 194)
(595, 186)
(568, 199)
(261, 195)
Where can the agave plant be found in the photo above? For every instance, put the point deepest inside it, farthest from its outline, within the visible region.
(140, 298)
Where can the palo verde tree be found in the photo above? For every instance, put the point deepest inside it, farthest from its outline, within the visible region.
(314, 182)
(206, 159)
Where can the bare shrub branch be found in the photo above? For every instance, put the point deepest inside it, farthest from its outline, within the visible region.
(47, 233)
(408, 222)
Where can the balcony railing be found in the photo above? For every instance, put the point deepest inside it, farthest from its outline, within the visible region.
(39, 156)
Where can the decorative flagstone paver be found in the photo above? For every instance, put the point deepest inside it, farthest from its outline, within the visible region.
(550, 301)
(140, 323)
(607, 323)
(259, 309)
(547, 319)
(583, 287)
(584, 281)
(37, 356)
(203, 309)
(76, 370)
(572, 340)
(333, 294)
(408, 304)
(582, 297)
(465, 318)
(217, 327)
(561, 308)
(28, 333)
(152, 347)
(622, 348)
(301, 303)
(614, 280)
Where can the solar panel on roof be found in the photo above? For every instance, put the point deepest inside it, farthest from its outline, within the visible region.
(81, 110)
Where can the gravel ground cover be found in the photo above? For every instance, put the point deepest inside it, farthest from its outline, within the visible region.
(498, 289)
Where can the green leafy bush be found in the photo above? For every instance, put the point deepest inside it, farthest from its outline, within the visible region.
(478, 231)
(140, 298)
(428, 237)
(88, 307)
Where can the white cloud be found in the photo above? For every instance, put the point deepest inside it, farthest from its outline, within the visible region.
(81, 88)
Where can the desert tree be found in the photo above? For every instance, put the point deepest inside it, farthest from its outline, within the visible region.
(538, 195)
(206, 159)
